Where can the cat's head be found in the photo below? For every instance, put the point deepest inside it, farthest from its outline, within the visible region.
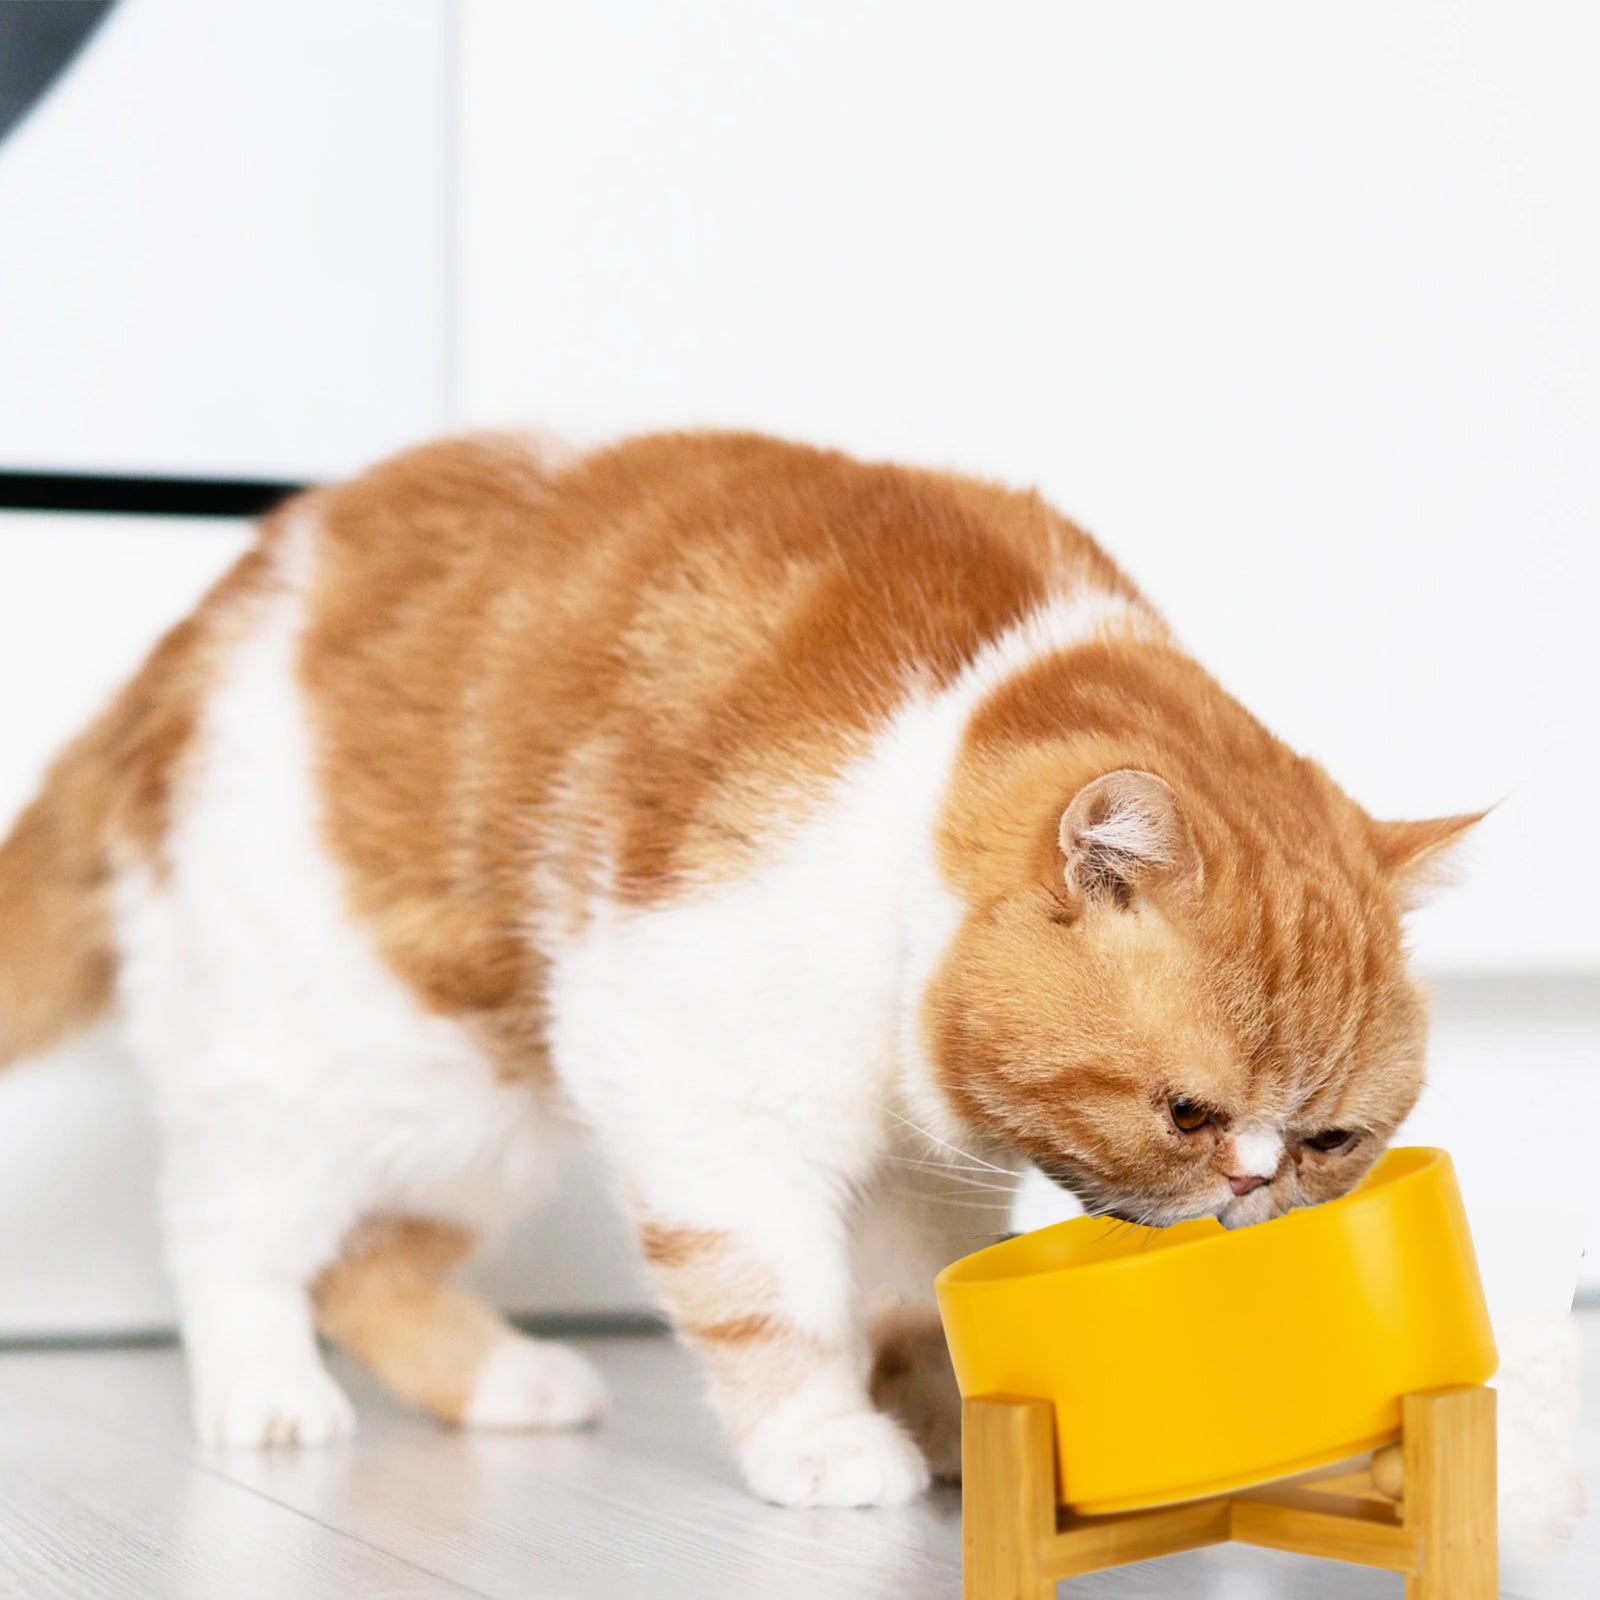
(1180, 1005)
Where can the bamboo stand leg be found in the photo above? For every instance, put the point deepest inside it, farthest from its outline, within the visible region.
(1450, 1494)
(1008, 1506)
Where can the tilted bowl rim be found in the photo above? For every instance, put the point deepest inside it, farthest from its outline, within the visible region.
(1406, 1163)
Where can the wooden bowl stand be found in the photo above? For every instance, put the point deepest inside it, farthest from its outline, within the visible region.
(1018, 1542)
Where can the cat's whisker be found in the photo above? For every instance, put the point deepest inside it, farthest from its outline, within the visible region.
(995, 1201)
(1003, 1197)
(944, 1144)
(1141, 1218)
(909, 1183)
(971, 1185)
(939, 1165)
(994, 1194)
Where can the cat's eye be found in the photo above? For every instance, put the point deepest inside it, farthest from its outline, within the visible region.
(1329, 1140)
(1188, 1116)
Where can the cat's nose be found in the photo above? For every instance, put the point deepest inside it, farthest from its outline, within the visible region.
(1245, 1182)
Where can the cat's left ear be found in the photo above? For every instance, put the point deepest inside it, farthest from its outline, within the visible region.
(1123, 832)
(1416, 854)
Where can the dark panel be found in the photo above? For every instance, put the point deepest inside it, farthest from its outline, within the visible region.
(164, 497)
(37, 40)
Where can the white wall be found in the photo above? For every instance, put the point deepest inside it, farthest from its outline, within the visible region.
(224, 246)
(1293, 305)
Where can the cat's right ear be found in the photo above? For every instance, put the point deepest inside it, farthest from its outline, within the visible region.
(1125, 832)
(1416, 855)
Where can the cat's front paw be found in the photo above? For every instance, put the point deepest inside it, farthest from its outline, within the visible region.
(860, 1459)
(272, 1404)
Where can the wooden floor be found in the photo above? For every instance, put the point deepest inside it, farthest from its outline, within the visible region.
(103, 1495)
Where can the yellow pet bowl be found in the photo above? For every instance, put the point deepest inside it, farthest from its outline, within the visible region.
(1190, 1361)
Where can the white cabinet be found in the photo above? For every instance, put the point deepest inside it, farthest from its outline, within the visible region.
(1293, 306)
(222, 242)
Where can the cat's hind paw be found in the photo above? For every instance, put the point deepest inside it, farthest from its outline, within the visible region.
(860, 1459)
(526, 1383)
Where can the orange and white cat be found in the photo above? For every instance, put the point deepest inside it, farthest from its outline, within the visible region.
(814, 832)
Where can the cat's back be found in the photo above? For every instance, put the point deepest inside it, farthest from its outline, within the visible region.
(627, 666)
(667, 538)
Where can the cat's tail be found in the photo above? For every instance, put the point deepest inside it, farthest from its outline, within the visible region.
(56, 948)
(103, 807)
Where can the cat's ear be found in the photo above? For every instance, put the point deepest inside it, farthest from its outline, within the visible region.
(1416, 854)
(1123, 831)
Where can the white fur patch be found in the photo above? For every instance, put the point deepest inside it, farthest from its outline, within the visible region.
(1062, 623)
(1257, 1152)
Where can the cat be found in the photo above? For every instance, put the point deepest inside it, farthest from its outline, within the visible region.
(831, 840)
